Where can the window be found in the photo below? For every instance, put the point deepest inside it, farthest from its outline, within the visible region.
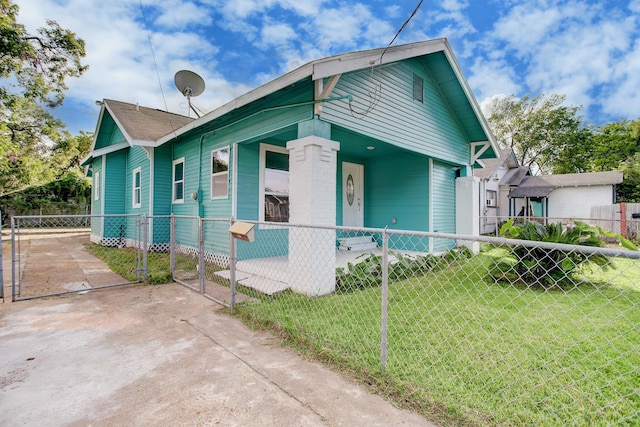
(137, 188)
(418, 88)
(178, 181)
(220, 173)
(96, 186)
(492, 198)
(274, 167)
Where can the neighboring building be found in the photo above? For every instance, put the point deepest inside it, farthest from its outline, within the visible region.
(494, 187)
(508, 189)
(568, 195)
(343, 140)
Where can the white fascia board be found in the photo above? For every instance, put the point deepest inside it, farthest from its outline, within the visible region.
(249, 97)
(109, 149)
(95, 132)
(365, 59)
(115, 119)
(144, 143)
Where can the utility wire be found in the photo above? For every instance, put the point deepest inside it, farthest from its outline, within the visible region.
(153, 55)
(377, 92)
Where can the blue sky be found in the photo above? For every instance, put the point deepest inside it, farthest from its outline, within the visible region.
(587, 50)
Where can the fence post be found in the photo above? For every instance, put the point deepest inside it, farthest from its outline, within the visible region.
(172, 245)
(13, 260)
(1, 269)
(145, 246)
(623, 219)
(232, 266)
(201, 254)
(385, 299)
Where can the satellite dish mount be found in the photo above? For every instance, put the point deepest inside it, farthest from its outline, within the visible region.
(189, 84)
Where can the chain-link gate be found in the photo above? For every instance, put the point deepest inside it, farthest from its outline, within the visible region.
(56, 255)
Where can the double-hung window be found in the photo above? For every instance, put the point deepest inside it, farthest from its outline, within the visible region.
(220, 173)
(178, 181)
(137, 188)
(274, 180)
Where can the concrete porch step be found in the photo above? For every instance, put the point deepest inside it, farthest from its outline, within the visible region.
(358, 243)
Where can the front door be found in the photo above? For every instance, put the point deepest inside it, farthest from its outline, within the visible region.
(352, 195)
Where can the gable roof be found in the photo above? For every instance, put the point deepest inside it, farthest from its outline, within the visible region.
(584, 179)
(139, 126)
(507, 157)
(446, 73)
(143, 125)
(542, 186)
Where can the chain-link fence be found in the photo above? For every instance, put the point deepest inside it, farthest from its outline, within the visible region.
(53, 255)
(629, 228)
(492, 331)
(466, 330)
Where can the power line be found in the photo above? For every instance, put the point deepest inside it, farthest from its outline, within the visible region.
(377, 92)
(153, 55)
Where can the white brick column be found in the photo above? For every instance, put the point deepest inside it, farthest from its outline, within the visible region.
(312, 200)
(468, 210)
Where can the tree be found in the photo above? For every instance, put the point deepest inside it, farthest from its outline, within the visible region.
(614, 144)
(629, 190)
(33, 71)
(536, 128)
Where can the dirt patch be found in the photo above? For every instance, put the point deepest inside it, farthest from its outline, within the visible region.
(56, 263)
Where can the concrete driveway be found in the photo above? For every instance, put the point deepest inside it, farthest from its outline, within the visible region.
(164, 356)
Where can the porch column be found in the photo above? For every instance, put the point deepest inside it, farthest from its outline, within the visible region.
(312, 200)
(468, 210)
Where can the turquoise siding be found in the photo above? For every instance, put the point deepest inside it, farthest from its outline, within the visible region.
(109, 133)
(268, 242)
(114, 171)
(427, 128)
(162, 185)
(444, 203)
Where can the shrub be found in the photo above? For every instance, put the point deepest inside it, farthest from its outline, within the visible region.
(549, 268)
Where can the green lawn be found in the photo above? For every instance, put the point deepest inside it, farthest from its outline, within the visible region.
(463, 349)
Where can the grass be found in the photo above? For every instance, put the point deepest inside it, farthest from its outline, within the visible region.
(463, 349)
(124, 261)
(466, 350)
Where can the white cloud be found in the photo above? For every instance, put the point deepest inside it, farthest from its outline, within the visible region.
(180, 14)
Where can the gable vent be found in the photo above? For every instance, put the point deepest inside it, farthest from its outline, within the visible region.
(418, 88)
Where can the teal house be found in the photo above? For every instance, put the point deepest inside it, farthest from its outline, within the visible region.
(377, 138)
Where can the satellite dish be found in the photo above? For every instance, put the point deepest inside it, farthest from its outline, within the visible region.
(189, 84)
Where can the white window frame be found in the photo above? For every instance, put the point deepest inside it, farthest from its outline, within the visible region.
(137, 170)
(174, 198)
(217, 174)
(96, 185)
(263, 161)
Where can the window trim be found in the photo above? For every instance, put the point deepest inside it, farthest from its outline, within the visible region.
(96, 185)
(263, 163)
(135, 204)
(213, 175)
(174, 182)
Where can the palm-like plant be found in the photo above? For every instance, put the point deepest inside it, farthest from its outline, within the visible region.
(543, 267)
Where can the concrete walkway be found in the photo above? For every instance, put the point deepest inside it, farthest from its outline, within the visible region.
(164, 356)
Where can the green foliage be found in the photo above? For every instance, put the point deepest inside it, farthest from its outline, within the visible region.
(629, 190)
(367, 273)
(70, 193)
(33, 70)
(536, 128)
(550, 268)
